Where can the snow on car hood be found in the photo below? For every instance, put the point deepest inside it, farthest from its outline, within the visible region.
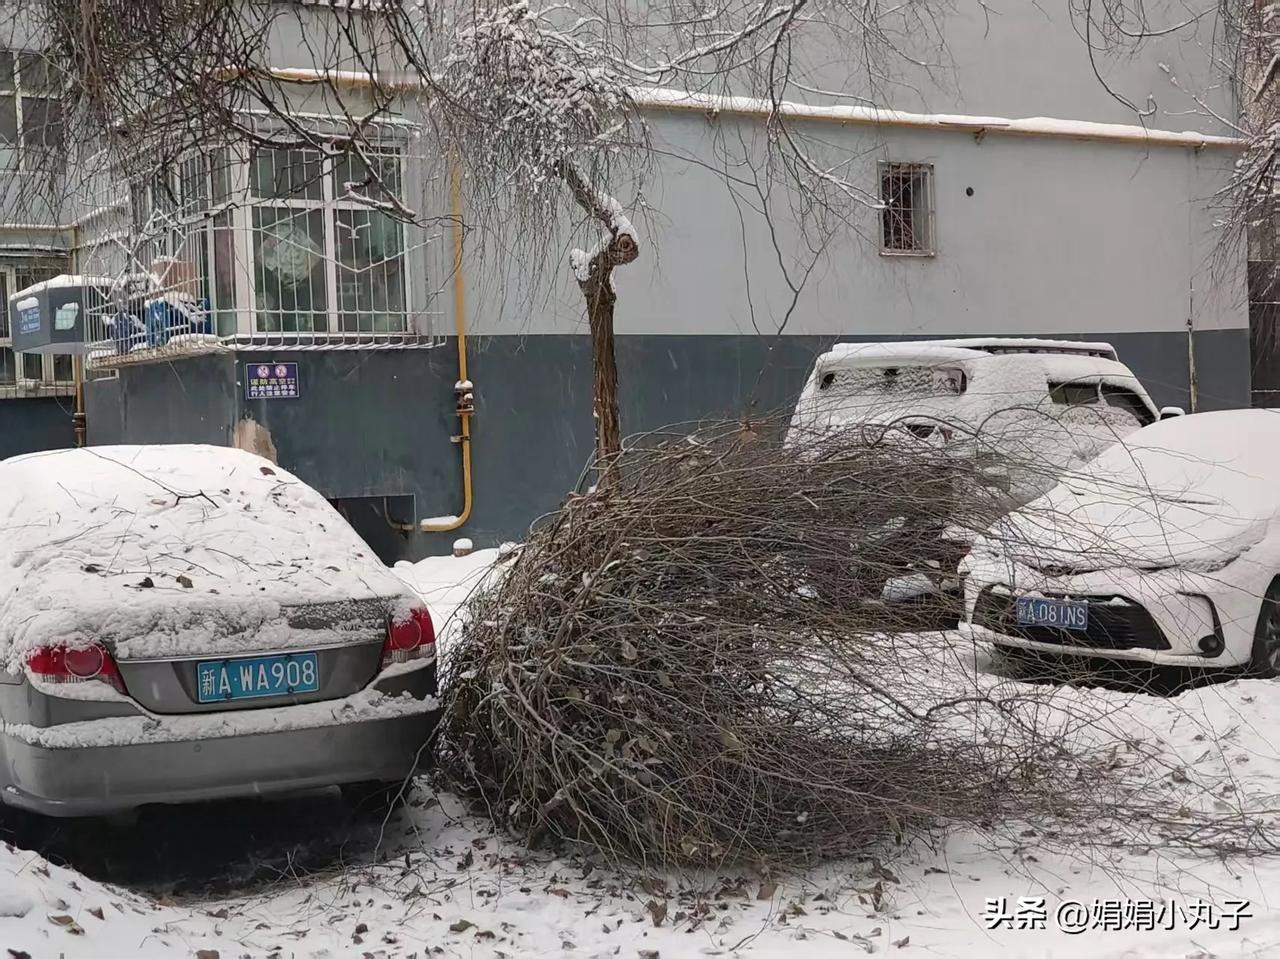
(1076, 529)
(172, 550)
(1195, 492)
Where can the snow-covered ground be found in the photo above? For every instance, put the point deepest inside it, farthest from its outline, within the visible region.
(440, 883)
(445, 582)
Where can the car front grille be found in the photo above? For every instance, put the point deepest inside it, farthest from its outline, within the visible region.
(1111, 626)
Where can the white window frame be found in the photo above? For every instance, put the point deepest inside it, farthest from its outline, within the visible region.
(926, 172)
(329, 204)
(19, 146)
(241, 203)
(175, 238)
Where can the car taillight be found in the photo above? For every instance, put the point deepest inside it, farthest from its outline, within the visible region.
(63, 664)
(410, 636)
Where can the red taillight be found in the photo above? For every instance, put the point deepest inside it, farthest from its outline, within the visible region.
(62, 664)
(410, 636)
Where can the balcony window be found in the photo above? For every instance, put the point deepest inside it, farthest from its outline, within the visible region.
(278, 241)
(31, 125)
(325, 257)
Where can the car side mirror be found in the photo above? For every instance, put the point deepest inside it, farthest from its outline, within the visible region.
(1169, 412)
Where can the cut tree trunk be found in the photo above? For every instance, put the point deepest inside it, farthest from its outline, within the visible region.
(595, 278)
(597, 289)
(604, 367)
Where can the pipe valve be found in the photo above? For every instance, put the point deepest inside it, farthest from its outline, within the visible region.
(464, 397)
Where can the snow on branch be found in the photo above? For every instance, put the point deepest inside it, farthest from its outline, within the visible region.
(520, 97)
(619, 247)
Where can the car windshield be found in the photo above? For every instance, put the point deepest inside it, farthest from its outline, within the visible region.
(1183, 491)
(1192, 460)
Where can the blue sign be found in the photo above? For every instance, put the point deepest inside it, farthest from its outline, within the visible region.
(271, 381)
(29, 315)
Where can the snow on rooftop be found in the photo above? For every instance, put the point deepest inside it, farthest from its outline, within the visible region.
(163, 549)
(665, 98)
(62, 281)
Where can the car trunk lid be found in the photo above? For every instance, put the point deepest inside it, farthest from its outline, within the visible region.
(310, 652)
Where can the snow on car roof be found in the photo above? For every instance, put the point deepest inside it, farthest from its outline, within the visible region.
(959, 349)
(878, 354)
(163, 549)
(1030, 344)
(1042, 367)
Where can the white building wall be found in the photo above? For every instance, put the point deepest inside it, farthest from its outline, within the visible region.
(1058, 236)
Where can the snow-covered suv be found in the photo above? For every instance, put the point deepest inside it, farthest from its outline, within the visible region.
(1029, 410)
(1052, 402)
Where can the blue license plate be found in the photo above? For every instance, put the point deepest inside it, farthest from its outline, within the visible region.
(1058, 613)
(220, 680)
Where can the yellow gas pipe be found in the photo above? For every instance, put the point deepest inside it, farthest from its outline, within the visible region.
(79, 419)
(460, 322)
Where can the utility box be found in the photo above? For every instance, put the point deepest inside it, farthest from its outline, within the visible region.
(49, 317)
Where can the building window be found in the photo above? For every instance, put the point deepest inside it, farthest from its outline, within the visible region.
(906, 192)
(30, 112)
(32, 366)
(325, 258)
(63, 369)
(279, 240)
(37, 270)
(184, 213)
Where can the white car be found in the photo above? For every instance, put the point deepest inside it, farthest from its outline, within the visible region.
(1164, 550)
(1050, 404)
(1024, 410)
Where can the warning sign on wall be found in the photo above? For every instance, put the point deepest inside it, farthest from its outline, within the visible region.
(271, 381)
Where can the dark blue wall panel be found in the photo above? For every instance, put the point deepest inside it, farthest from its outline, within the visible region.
(375, 423)
(29, 425)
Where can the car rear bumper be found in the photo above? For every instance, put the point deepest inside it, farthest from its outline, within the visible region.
(117, 764)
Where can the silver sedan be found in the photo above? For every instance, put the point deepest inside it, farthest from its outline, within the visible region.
(183, 623)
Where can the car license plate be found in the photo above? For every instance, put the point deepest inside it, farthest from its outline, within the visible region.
(1059, 613)
(225, 679)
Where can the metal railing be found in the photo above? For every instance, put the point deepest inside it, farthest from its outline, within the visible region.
(283, 249)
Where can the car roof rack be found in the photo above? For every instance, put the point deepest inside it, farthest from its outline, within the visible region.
(1027, 344)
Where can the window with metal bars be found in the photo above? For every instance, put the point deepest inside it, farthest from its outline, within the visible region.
(280, 240)
(906, 192)
(325, 257)
(182, 217)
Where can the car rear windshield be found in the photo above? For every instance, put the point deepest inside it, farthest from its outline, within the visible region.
(892, 381)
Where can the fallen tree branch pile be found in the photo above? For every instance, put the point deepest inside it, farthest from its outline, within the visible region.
(696, 665)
